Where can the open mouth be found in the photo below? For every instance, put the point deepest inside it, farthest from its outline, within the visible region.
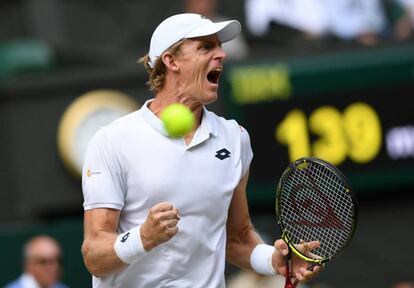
(214, 75)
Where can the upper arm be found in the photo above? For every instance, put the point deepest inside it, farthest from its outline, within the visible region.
(102, 177)
(238, 223)
(238, 220)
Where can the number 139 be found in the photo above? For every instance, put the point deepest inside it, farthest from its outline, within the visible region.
(355, 133)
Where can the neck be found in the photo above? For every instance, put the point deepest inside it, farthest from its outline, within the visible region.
(166, 97)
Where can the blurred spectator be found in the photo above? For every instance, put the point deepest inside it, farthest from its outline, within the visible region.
(309, 16)
(403, 18)
(236, 49)
(361, 20)
(41, 264)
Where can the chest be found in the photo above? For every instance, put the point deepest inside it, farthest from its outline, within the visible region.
(194, 180)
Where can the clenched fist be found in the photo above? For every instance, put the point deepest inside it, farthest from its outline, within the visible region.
(160, 225)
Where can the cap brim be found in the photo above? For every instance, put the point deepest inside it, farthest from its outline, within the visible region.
(226, 30)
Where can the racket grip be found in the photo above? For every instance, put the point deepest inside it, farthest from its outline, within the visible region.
(289, 284)
(288, 281)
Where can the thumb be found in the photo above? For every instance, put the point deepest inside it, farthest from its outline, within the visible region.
(282, 247)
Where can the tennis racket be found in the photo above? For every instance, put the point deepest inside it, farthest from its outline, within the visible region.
(314, 202)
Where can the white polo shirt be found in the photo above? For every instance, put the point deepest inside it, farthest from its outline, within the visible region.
(131, 165)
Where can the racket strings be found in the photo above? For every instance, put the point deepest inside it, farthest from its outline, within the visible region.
(328, 219)
(315, 206)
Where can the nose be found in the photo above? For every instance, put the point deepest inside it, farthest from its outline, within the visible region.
(220, 54)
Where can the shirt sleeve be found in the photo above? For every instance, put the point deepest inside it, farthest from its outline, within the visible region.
(102, 182)
(246, 152)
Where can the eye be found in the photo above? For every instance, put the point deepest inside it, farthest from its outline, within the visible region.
(207, 45)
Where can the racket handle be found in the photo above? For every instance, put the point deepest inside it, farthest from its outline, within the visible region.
(289, 284)
(288, 281)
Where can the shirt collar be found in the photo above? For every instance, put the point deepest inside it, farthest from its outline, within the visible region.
(208, 125)
(152, 119)
(209, 122)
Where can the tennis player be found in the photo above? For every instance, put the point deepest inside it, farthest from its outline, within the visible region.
(163, 212)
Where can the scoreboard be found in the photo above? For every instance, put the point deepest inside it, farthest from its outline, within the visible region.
(354, 109)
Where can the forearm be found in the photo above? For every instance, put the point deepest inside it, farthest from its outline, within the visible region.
(99, 254)
(106, 252)
(240, 247)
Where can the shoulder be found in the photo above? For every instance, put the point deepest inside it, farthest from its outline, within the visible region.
(224, 123)
(244, 134)
(123, 124)
(116, 130)
(230, 127)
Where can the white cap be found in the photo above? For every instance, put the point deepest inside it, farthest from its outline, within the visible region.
(188, 25)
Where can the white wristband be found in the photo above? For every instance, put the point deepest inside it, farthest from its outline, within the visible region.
(128, 246)
(261, 259)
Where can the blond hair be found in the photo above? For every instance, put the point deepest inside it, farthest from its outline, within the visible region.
(158, 73)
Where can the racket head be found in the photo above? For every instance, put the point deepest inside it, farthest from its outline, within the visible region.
(315, 202)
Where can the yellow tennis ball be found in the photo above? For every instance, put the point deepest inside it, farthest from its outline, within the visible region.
(178, 120)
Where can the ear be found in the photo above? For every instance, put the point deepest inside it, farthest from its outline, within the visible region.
(170, 61)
